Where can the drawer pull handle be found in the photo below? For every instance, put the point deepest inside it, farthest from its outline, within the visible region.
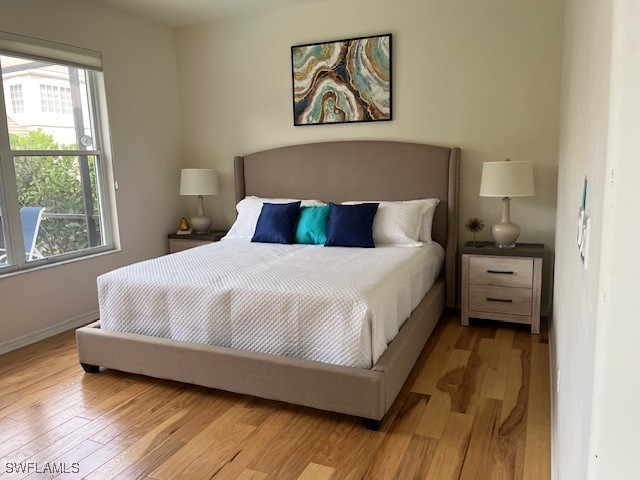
(500, 272)
(504, 300)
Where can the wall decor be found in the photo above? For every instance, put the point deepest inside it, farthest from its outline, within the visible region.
(342, 81)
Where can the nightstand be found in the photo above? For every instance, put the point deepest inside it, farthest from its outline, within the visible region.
(502, 284)
(177, 243)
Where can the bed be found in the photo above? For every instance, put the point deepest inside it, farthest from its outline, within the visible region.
(337, 172)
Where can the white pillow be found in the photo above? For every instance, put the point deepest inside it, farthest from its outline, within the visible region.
(400, 223)
(249, 209)
(427, 218)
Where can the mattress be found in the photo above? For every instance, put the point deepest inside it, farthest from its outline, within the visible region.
(340, 306)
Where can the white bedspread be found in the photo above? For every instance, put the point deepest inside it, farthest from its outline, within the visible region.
(334, 305)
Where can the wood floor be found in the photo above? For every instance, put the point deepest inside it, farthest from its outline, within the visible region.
(476, 406)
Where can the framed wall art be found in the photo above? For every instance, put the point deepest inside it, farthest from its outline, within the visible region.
(342, 81)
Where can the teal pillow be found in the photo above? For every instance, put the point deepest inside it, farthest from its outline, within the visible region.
(312, 225)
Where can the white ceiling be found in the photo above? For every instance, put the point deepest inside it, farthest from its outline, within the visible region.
(180, 13)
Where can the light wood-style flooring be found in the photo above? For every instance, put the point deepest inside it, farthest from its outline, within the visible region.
(476, 406)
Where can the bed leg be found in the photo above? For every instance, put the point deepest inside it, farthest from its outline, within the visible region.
(371, 424)
(90, 368)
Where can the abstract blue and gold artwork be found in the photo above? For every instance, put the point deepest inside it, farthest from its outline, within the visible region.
(342, 81)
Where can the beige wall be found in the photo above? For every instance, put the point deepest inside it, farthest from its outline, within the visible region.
(583, 150)
(141, 85)
(484, 76)
(593, 335)
(616, 418)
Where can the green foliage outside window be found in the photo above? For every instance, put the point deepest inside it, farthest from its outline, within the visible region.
(53, 182)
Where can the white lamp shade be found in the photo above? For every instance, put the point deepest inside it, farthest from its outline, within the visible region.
(199, 181)
(507, 179)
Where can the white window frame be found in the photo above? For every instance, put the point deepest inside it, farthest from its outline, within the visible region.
(91, 61)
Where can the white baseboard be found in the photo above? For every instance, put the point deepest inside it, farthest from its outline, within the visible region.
(48, 332)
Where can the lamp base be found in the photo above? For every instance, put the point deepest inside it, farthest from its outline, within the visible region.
(505, 234)
(201, 224)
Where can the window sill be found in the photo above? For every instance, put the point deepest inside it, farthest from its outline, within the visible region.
(42, 266)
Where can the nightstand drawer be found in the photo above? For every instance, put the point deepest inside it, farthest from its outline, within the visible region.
(180, 242)
(180, 245)
(501, 271)
(514, 301)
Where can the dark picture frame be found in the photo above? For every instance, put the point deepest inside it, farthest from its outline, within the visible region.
(342, 81)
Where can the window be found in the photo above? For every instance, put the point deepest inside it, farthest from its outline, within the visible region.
(55, 99)
(53, 170)
(17, 102)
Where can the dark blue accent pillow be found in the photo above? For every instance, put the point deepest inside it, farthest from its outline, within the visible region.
(276, 223)
(351, 225)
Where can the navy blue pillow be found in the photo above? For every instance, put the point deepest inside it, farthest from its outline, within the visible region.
(351, 225)
(276, 223)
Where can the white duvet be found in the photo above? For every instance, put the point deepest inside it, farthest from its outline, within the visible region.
(334, 305)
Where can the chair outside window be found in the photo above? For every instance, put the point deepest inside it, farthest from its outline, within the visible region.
(30, 218)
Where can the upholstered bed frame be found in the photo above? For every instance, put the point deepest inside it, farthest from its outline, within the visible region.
(334, 171)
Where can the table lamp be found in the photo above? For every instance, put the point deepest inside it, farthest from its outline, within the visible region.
(506, 179)
(199, 181)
